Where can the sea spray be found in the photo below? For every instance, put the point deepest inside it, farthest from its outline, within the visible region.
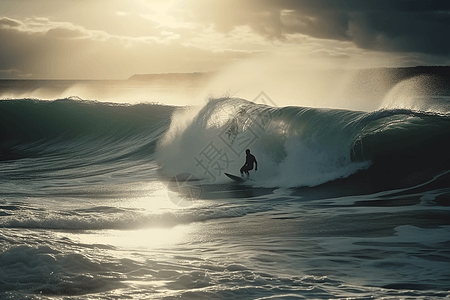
(294, 146)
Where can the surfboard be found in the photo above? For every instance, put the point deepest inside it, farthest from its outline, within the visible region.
(235, 178)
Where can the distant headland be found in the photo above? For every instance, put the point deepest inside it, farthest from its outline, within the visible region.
(396, 74)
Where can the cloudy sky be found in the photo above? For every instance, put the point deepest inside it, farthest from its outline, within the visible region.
(114, 39)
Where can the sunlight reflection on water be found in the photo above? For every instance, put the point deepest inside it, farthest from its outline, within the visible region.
(143, 239)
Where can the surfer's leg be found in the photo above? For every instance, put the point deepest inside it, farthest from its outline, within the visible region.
(249, 168)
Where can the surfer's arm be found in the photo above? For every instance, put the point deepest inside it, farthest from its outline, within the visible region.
(256, 165)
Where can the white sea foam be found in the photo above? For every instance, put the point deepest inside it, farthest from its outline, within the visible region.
(293, 146)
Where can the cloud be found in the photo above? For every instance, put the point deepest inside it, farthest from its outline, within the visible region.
(122, 13)
(118, 38)
(13, 73)
(9, 22)
(382, 25)
(328, 54)
(45, 49)
(65, 33)
(402, 32)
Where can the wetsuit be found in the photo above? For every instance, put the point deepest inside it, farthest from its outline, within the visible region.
(249, 161)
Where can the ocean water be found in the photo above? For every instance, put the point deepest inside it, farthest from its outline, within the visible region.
(130, 201)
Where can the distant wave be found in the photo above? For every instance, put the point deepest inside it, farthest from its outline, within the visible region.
(32, 127)
(295, 146)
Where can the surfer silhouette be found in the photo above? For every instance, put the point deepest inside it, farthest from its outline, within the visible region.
(249, 161)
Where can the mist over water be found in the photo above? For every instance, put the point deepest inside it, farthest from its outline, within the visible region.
(114, 91)
(303, 82)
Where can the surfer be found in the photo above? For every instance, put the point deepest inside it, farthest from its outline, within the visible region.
(249, 161)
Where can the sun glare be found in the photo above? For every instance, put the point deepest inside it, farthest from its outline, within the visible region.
(146, 239)
(163, 13)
